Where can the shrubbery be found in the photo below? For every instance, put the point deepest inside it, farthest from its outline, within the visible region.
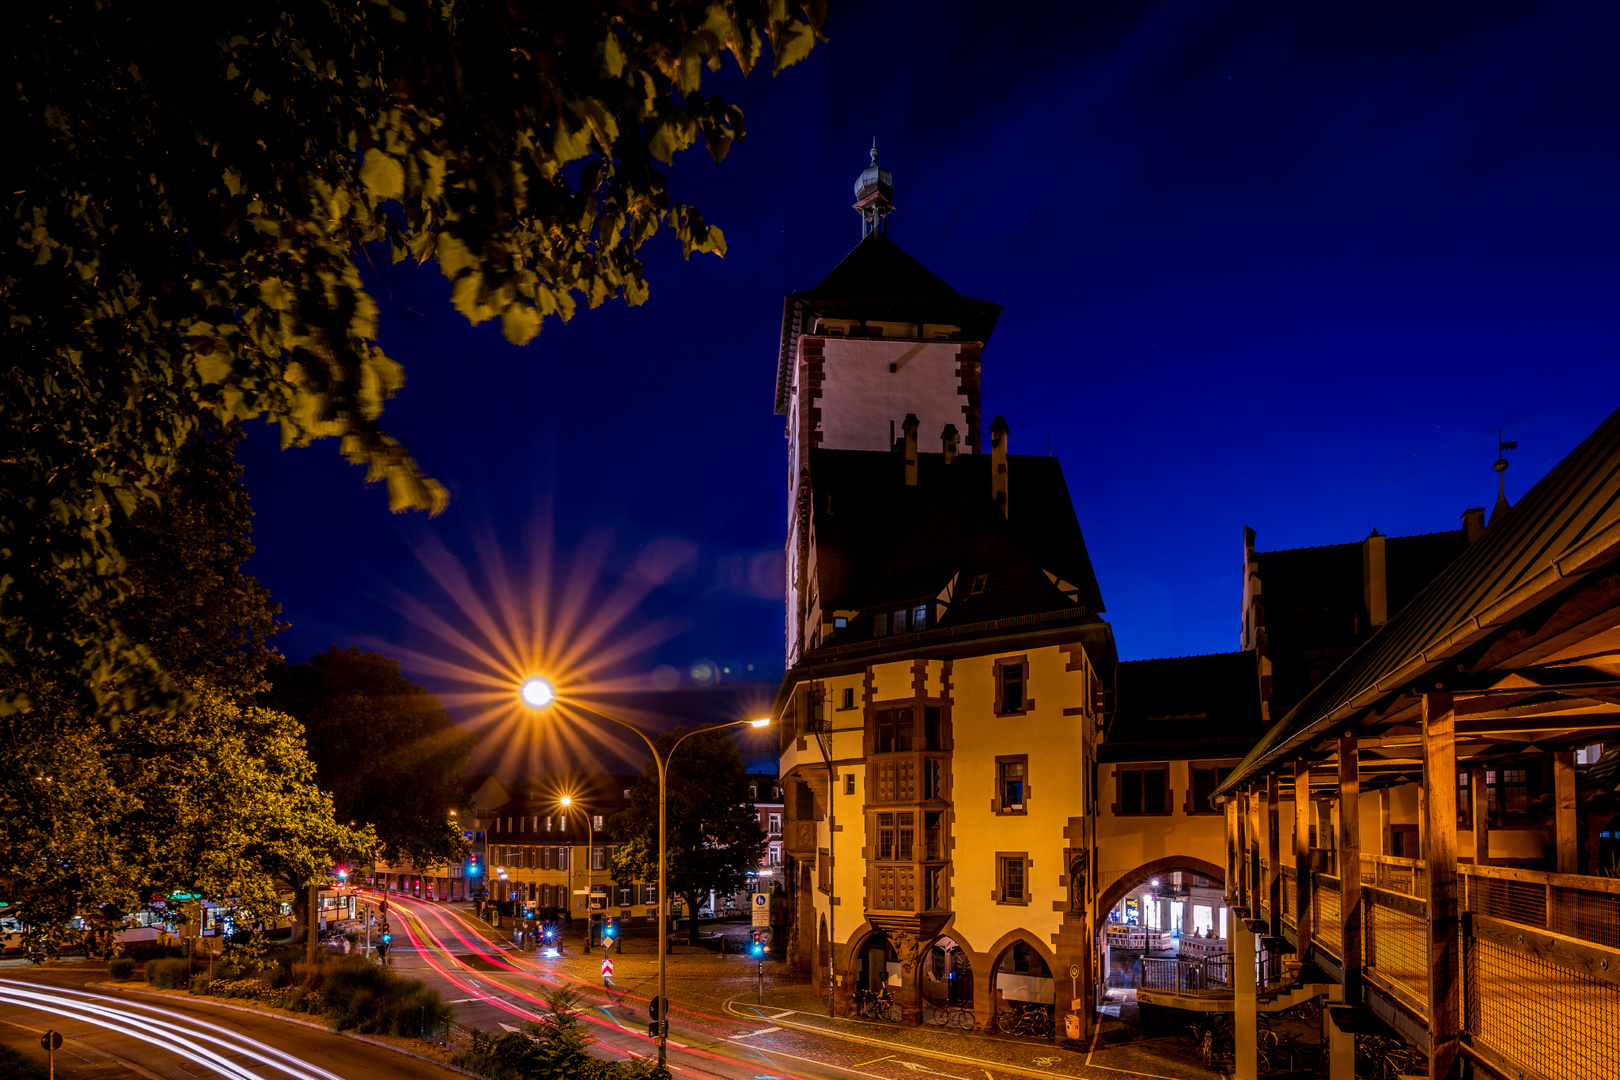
(121, 968)
(556, 1048)
(15, 1066)
(170, 974)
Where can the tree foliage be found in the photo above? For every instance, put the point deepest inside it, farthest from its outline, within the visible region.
(190, 194)
(712, 828)
(384, 747)
(216, 799)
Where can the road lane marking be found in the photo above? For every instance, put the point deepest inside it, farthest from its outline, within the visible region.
(874, 1061)
(751, 1034)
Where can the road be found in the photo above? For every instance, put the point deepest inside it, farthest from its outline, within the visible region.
(109, 1034)
(712, 1034)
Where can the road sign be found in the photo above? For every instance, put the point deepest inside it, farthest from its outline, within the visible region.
(762, 909)
(51, 1040)
(652, 1007)
(607, 967)
(1074, 971)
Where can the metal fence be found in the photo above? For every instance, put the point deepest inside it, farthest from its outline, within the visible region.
(1196, 978)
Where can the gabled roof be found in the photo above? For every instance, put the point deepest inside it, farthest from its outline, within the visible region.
(880, 541)
(1557, 533)
(878, 280)
(1185, 706)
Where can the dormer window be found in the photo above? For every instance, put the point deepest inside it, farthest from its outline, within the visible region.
(899, 623)
(919, 617)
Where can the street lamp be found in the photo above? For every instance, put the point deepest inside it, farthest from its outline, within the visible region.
(537, 693)
(590, 865)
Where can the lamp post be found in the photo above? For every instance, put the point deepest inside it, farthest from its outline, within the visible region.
(537, 694)
(567, 802)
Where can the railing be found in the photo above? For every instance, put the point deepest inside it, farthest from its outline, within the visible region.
(1540, 955)
(1541, 971)
(1326, 931)
(1393, 874)
(1195, 978)
(1290, 916)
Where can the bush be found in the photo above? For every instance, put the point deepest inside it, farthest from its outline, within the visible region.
(201, 983)
(144, 951)
(169, 974)
(14, 1065)
(121, 968)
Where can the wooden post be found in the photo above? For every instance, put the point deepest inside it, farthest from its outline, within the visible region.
(1274, 856)
(1262, 841)
(1332, 843)
(1386, 835)
(1350, 867)
(1479, 812)
(1243, 854)
(1445, 944)
(1564, 811)
(1304, 895)
(1231, 850)
(1245, 1004)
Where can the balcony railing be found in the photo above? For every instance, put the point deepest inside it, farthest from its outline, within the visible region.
(1540, 979)
(1194, 978)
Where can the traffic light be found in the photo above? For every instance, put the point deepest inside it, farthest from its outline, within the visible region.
(609, 929)
(757, 949)
(472, 866)
(388, 939)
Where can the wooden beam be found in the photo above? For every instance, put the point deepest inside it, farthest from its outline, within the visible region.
(1231, 850)
(1303, 809)
(1440, 852)
(1479, 809)
(1350, 912)
(1386, 837)
(1564, 811)
(1273, 856)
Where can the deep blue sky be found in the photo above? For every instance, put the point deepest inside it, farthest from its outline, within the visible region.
(1285, 265)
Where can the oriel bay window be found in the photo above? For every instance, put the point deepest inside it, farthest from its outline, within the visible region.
(894, 731)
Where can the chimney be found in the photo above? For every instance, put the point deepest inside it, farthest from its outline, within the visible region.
(949, 438)
(998, 463)
(909, 425)
(1474, 523)
(1374, 582)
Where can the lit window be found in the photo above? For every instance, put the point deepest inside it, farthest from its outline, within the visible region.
(839, 622)
(774, 824)
(596, 822)
(919, 617)
(1011, 783)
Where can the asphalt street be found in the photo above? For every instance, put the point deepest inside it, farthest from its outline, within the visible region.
(111, 1034)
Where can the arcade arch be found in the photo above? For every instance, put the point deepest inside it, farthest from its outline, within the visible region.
(1173, 906)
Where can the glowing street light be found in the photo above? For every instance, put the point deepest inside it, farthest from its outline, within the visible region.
(537, 694)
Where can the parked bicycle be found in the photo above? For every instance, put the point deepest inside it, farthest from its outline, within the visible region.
(960, 1015)
(870, 1005)
(1032, 1020)
(1210, 1037)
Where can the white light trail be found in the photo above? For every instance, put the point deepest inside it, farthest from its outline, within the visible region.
(111, 1014)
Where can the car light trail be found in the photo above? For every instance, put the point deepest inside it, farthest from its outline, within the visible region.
(186, 1042)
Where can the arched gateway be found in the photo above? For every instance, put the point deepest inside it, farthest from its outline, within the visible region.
(1169, 907)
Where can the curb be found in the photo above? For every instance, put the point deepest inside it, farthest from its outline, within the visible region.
(300, 1023)
(942, 1054)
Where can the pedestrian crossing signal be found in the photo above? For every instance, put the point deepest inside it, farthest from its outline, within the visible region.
(757, 949)
(387, 939)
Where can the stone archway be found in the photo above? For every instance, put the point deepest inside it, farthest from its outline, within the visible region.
(1157, 868)
(987, 997)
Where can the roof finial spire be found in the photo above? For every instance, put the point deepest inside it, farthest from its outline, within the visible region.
(874, 196)
(1501, 480)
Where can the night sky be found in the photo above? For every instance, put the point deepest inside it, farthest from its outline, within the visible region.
(1290, 266)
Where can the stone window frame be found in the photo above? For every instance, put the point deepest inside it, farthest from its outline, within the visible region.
(1028, 704)
(998, 894)
(995, 797)
(849, 699)
(1226, 765)
(1143, 766)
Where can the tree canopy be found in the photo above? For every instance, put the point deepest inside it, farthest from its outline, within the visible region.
(712, 827)
(384, 748)
(190, 195)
